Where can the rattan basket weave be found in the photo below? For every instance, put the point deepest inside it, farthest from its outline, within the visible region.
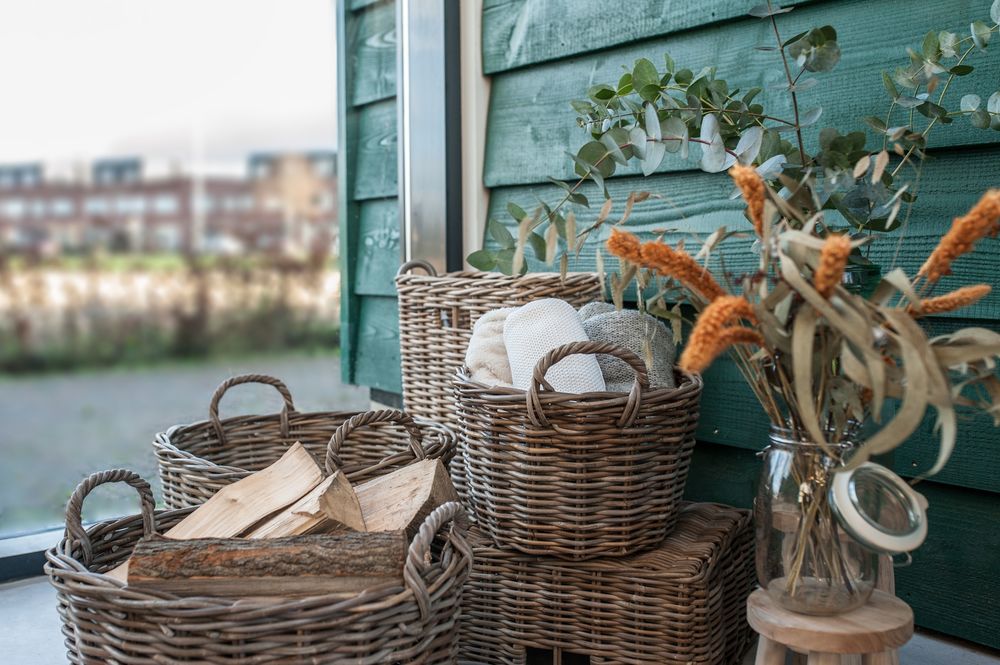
(198, 460)
(436, 315)
(577, 475)
(106, 622)
(683, 602)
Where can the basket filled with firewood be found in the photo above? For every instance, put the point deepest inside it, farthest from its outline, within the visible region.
(288, 564)
(197, 460)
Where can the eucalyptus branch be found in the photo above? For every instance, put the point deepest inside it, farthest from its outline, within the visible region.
(791, 83)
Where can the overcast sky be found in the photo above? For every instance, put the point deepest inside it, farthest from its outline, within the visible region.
(81, 79)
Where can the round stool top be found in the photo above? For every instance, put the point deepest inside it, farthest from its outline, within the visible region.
(884, 623)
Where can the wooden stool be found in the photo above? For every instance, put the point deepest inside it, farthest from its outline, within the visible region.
(874, 631)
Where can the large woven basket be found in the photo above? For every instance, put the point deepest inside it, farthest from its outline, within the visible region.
(106, 622)
(198, 460)
(577, 475)
(436, 315)
(683, 602)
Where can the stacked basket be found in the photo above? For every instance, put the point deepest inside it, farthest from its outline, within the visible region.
(582, 544)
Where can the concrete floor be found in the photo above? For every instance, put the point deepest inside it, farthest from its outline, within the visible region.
(29, 632)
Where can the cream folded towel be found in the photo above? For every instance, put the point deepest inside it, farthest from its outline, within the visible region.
(535, 329)
(640, 333)
(486, 356)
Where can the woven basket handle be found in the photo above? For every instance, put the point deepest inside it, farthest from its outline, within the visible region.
(418, 558)
(74, 508)
(213, 407)
(417, 263)
(535, 412)
(333, 461)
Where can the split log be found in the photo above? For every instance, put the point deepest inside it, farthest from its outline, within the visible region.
(402, 499)
(237, 507)
(319, 564)
(331, 507)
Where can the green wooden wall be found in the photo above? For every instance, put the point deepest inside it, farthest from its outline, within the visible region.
(369, 217)
(542, 53)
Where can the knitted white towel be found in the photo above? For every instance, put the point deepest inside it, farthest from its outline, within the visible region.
(486, 356)
(535, 329)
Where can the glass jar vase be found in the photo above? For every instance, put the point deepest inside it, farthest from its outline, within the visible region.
(805, 559)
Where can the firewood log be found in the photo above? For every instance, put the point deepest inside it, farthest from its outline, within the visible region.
(331, 507)
(401, 500)
(344, 563)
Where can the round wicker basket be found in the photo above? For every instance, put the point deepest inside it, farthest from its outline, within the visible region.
(577, 476)
(198, 460)
(436, 315)
(104, 621)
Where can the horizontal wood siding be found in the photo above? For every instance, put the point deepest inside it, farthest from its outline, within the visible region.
(543, 53)
(370, 227)
(531, 123)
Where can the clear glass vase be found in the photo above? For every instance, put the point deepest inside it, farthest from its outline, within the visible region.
(805, 559)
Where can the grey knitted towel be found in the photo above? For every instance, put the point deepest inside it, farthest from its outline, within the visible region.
(638, 332)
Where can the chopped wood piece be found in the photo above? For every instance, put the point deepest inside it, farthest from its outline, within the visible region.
(331, 507)
(237, 507)
(297, 566)
(404, 498)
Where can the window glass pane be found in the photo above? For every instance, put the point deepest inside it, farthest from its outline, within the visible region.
(138, 140)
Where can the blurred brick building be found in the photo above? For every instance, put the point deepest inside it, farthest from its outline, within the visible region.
(285, 203)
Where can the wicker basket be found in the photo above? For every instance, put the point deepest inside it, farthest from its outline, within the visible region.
(105, 622)
(577, 475)
(198, 460)
(684, 602)
(436, 315)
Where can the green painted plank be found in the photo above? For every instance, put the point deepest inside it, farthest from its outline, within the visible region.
(525, 32)
(694, 204)
(347, 210)
(955, 568)
(531, 123)
(377, 339)
(377, 254)
(375, 158)
(374, 54)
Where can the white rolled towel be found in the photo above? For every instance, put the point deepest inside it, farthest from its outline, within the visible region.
(486, 356)
(535, 329)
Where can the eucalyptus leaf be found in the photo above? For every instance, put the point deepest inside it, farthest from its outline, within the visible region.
(749, 144)
(655, 150)
(970, 103)
(674, 133)
(890, 87)
(763, 11)
(613, 149)
(995, 11)
(652, 122)
(948, 43)
(501, 235)
(993, 103)
(516, 211)
(482, 259)
(538, 245)
(637, 139)
(644, 74)
(811, 117)
(981, 34)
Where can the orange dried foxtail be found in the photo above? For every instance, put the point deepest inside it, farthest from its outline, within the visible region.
(752, 187)
(949, 302)
(983, 220)
(832, 261)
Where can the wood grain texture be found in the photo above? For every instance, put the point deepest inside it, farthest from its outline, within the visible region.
(375, 156)
(298, 566)
(526, 32)
(401, 500)
(885, 622)
(374, 53)
(377, 350)
(531, 123)
(331, 507)
(377, 253)
(954, 569)
(695, 204)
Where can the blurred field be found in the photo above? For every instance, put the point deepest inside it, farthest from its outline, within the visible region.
(58, 429)
(126, 310)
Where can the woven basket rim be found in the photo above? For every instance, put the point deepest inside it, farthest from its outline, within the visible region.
(492, 275)
(163, 440)
(691, 382)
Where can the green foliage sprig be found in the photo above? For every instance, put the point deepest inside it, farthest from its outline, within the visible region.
(652, 111)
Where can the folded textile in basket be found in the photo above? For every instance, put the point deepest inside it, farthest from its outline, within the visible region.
(533, 330)
(486, 356)
(640, 333)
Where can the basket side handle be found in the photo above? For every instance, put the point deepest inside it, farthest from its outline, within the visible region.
(74, 507)
(418, 557)
(333, 461)
(417, 263)
(213, 407)
(536, 413)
